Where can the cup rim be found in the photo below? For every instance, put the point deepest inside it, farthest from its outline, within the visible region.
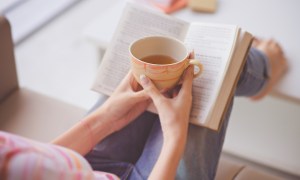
(158, 36)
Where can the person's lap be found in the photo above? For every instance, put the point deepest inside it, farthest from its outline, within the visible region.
(120, 151)
(132, 152)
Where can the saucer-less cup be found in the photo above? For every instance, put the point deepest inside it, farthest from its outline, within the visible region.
(164, 76)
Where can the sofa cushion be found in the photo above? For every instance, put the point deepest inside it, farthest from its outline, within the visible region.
(233, 167)
(228, 169)
(250, 173)
(36, 116)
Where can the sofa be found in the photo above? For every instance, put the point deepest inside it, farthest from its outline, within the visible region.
(24, 111)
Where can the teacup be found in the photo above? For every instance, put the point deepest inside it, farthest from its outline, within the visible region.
(162, 59)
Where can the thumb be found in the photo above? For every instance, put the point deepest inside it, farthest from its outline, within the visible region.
(150, 88)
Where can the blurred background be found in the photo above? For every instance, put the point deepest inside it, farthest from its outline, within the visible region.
(59, 45)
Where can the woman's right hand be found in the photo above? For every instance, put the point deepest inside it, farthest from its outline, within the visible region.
(174, 113)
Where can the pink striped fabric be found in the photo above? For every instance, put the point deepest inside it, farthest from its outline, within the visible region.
(25, 159)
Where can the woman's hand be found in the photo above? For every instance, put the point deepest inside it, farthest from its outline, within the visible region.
(173, 107)
(174, 110)
(123, 106)
(126, 103)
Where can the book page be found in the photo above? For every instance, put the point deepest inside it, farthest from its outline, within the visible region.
(213, 46)
(226, 92)
(136, 22)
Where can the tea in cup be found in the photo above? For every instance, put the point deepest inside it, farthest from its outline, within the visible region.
(162, 59)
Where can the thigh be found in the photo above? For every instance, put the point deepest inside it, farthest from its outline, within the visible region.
(148, 158)
(202, 152)
(125, 145)
(204, 146)
(201, 156)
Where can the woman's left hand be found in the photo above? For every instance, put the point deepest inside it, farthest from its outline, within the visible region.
(126, 103)
(122, 107)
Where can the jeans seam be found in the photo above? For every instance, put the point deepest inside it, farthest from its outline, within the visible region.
(136, 173)
(128, 171)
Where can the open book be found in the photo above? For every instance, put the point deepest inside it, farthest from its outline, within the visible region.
(222, 50)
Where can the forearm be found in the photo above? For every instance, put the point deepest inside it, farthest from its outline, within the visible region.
(167, 163)
(85, 134)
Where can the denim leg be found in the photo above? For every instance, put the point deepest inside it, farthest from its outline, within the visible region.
(118, 152)
(200, 158)
(147, 160)
(254, 75)
(204, 146)
(202, 152)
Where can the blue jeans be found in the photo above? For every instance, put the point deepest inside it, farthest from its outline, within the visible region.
(132, 152)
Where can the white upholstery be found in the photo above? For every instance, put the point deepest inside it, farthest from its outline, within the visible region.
(33, 115)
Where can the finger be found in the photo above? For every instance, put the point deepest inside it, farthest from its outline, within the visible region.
(166, 93)
(150, 88)
(130, 83)
(176, 91)
(268, 42)
(129, 75)
(164, 90)
(187, 81)
(135, 86)
(140, 96)
(126, 82)
(192, 54)
(272, 43)
(278, 46)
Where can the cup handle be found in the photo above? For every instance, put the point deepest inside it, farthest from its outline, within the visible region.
(197, 63)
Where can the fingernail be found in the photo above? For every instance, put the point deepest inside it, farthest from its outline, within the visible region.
(144, 80)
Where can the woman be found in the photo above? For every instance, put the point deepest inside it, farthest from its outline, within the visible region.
(145, 154)
(22, 159)
(140, 143)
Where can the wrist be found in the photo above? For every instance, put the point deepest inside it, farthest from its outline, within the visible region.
(99, 124)
(175, 135)
(175, 142)
(172, 151)
(169, 158)
(109, 118)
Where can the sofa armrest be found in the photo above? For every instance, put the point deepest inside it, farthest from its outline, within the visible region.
(8, 72)
(233, 167)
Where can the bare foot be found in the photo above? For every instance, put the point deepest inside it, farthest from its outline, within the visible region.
(277, 61)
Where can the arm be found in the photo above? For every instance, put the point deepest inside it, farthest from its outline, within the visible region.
(174, 112)
(124, 105)
(86, 133)
(167, 163)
